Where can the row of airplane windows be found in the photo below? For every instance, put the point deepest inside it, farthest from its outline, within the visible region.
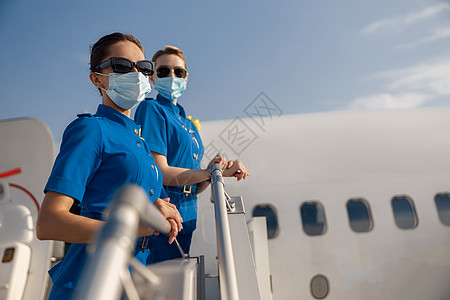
(359, 214)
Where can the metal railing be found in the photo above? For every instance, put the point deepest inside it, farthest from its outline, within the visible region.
(227, 270)
(106, 271)
(106, 274)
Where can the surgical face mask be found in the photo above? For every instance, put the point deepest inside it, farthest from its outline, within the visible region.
(170, 87)
(127, 90)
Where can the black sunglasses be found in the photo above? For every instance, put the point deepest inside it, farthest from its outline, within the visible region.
(165, 71)
(123, 65)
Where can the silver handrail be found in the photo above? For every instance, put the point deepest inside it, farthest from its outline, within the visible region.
(103, 275)
(227, 270)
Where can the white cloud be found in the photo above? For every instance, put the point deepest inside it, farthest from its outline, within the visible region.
(438, 34)
(389, 101)
(408, 87)
(431, 78)
(400, 22)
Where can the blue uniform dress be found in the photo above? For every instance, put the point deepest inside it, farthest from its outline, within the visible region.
(168, 132)
(99, 153)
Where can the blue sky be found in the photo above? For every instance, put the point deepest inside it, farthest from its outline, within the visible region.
(306, 55)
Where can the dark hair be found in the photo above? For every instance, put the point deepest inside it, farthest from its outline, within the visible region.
(169, 50)
(100, 50)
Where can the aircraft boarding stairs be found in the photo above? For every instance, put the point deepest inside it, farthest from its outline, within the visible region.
(242, 254)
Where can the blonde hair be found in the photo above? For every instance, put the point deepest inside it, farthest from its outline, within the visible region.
(169, 50)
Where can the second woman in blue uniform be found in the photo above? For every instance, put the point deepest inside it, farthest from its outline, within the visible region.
(177, 148)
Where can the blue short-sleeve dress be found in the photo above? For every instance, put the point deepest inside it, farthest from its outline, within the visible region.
(99, 153)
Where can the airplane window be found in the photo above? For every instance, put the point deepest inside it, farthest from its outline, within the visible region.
(269, 212)
(359, 215)
(313, 218)
(443, 207)
(404, 212)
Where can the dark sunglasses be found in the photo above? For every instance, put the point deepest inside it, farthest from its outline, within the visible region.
(165, 71)
(123, 65)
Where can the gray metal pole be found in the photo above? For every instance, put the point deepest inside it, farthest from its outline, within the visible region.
(227, 271)
(101, 277)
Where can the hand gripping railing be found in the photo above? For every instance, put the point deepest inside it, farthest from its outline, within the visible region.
(106, 271)
(227, 271)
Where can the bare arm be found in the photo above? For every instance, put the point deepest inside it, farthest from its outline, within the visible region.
(174, 176)
(56, 222)
(201, 186)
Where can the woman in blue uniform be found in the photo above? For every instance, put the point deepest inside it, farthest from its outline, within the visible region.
(99, 153)
(177, 148)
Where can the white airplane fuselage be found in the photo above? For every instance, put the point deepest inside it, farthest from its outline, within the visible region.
(326, 160)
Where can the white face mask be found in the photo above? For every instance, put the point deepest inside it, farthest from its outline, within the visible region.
(128, 89)
(170, 87)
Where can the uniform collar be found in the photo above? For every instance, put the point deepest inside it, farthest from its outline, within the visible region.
(177, 109)
(116, 116)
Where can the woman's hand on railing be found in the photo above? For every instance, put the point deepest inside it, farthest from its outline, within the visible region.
(220, 159)
(170, 212)
(230, 168)
(236, 169)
